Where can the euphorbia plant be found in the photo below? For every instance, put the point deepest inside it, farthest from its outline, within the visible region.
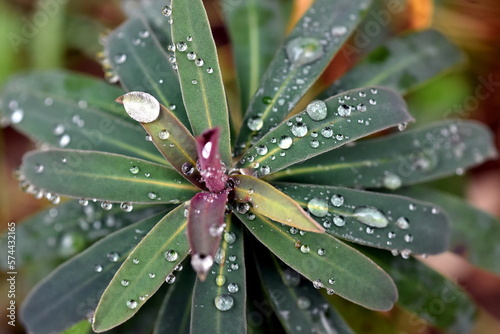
(291, 182)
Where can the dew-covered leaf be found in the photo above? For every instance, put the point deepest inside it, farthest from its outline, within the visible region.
(144, 271)
(206, 215)
(298, 304)
(210, 164)
(378, 220)
(72, 291)
(414, 156)
(255, 27)
(199, 72)
(104, 176)
(324, 126)
(326, 261)
(403, 63)
(219, 303)
(265, 199)
(169, 135)
(428, 294)
(175, 312)
(137, 55)
(73, 111)
(305, 53)
(474, 233)
(64, 230)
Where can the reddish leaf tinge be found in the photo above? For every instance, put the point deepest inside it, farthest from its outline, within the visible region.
(209, 163)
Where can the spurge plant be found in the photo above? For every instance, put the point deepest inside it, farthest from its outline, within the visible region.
(263, 237)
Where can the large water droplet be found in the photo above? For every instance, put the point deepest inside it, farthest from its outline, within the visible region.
(171, 255)
(285, 142)
(255, 123)
(318, 207)
(317, 110)
(392, 181)
(233, 287)
(303, 50)
(337, 200)
(339, 220)
(344, 110)
(224, 302)
(371, 216)
(142, 107)
(261, 149)
(299, 129)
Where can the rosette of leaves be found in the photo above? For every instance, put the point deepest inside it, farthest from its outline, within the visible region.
(190, 222)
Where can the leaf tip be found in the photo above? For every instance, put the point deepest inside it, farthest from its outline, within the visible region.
(201, 264)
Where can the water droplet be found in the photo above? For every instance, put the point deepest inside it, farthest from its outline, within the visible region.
(255, 123)
(17, 116)
(105, 205)
(373, 102)
(220, 280)
(39, 168)
(64, 140)
(405, 253)
(317, 284)
(229, 237)
(408, 238)
(120, 58)
(391, 235)
(152, 275)
(318, 207)
(113, 257)
(59, 129)
(152, 195)
(126, 206)
(187, 168)
(191, 55)
(321, 251)
(344, 110)
(285, 142)
(337, 200)
(140, 106)
(163, 134)
(83, 202)
(166, 11)
(224, 302)
(361, 107)
(216, 230)
(124, 282)
(233, 287)
(314, 143)
(171, 255)
(402, 126)
(392, 181)
(299, 129)
(242, 208)
(305, 249)
(371, 216)
(261, 149)
(134, 170)
(403, 223)
(303, 303)
(181, 46)
(194, 82)
(339, 31)
(210, 70)
(317, 110)
(98, 268)
(135, 261)
(132, 304)
(374, 90)
(303, 50)
(170, 279)
(199, 62)
(327, 132)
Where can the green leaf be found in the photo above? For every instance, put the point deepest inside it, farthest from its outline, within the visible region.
(157, 254)
(298, 305)
(378, 220)
(474, 233)
(169, 135)
(73, 111)
(203, 92)
(272, 203)
(175, 312)
(321, 128)
(64, 230)
(299, 61)
(428, 294)
(355, 277)
(255, 28)
(137, 56)
(83, 327)
(219, 303)
(403, 63)
(405, 158)
(104, 176)
(73, 289)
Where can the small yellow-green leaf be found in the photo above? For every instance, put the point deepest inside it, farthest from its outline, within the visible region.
(272, 203)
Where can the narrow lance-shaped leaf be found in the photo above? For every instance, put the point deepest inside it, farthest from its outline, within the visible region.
(428, 294)
(378, 220)
(144, 271)
(199, 72)
(296, 304)
(306, 52)
(255, 28)
(324, 126)
(137, 55)
(104, 176)
(169, 135)
(64, 230)
(265, 199)
(73, 290)
(405, 158)
(73, 111)
(403, 63)
(326, 261)
(219, 303)
(205, 226)
(474, 233)
(175, 312)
